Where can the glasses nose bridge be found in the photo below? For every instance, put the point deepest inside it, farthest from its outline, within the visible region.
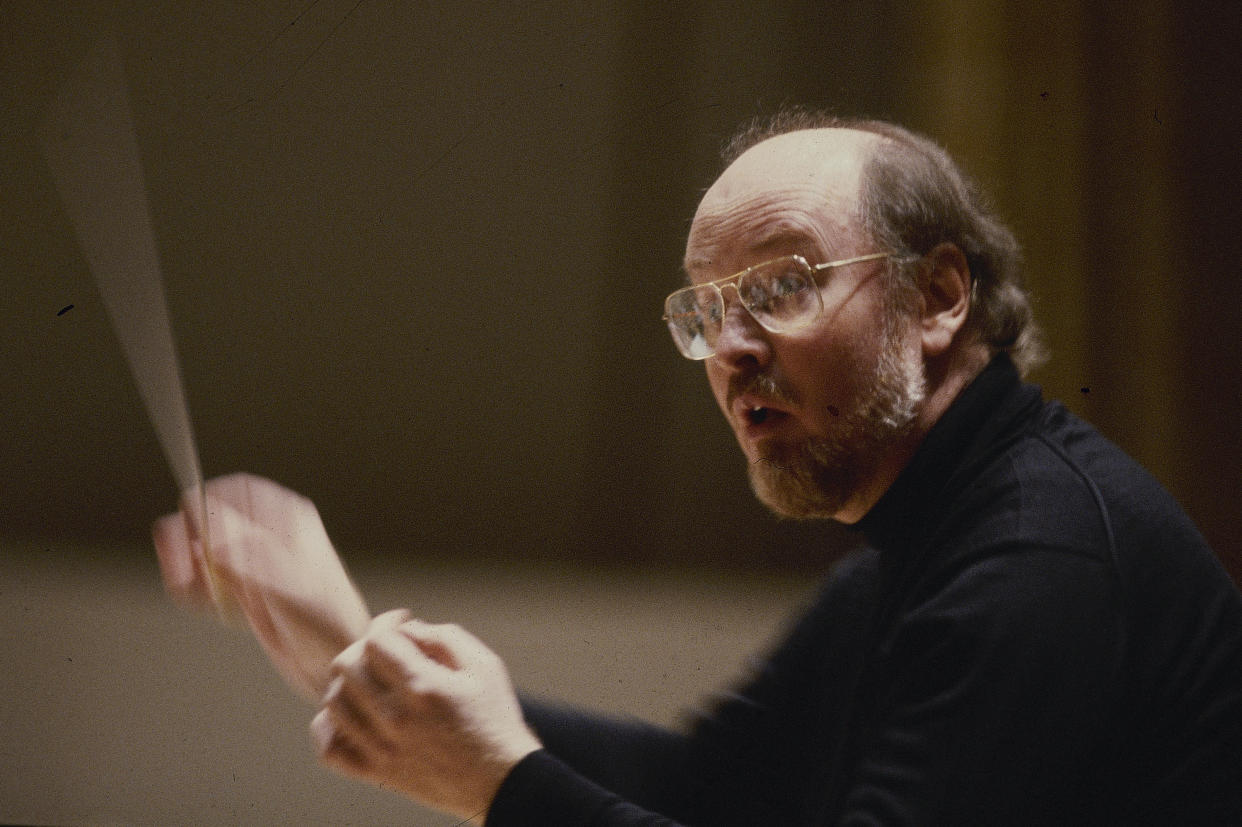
(733, 281)
(738, 324)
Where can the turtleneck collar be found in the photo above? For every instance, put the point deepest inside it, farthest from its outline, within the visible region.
(984, 417)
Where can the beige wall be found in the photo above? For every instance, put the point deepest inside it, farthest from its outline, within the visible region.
(120, 709)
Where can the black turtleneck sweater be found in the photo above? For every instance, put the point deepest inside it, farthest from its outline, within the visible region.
(1035, 633)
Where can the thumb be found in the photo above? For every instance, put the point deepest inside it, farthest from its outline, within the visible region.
(446, 643)
(387, 621)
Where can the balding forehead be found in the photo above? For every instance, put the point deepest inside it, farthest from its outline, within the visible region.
(810, 179)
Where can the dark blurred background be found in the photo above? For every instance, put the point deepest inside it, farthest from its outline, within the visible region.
(415, 253)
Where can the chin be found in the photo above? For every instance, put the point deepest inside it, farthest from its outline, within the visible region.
(794, 490)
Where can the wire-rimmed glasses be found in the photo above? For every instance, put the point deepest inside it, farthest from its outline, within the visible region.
(781, 295)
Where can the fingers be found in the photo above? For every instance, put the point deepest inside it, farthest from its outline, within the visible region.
(172, 549)
(373, 694)
(179, 546)
(334, 748)
(396, 662)
(448, 644)
(390, 619)
(363, 671)
(363, 714)
(180, 560)
(423, 709)
(433, 641)
(384, 674)
(379, 683)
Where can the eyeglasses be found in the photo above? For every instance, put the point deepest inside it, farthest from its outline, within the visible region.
(780, 294)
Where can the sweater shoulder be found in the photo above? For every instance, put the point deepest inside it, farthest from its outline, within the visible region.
(1062, 485)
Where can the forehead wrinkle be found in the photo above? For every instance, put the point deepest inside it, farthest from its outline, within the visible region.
(756, 225)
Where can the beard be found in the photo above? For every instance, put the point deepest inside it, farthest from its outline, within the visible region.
(816, 477)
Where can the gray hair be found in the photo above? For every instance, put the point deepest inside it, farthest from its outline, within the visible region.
(915, 197)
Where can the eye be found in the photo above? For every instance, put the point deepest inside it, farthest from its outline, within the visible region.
(789, 283)
(695, 308)
(708, 307)
(756, 292)
(771, 289)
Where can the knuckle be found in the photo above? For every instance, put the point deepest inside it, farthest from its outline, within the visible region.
(432, 695)
(333, 691)
(349, 656)
(323, 732)
(372, 648)
(390, 619)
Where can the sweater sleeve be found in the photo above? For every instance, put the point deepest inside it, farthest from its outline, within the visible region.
(543, 791)
(746, 760)
(641, 762)
(616, 772)
(731, 770)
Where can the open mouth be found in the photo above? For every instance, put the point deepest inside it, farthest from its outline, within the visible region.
(753, 412)
(763, 415)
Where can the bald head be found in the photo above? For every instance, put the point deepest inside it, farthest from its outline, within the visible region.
(805, 183)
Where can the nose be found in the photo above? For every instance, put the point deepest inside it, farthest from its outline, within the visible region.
(741, 339)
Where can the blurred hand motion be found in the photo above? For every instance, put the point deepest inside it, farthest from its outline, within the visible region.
(427, 710)
(270, 560)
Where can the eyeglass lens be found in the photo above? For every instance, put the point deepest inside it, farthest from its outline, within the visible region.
(781, 295)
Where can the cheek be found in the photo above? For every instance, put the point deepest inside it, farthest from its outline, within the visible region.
(828, 374)
(821, 366)
(718, 380)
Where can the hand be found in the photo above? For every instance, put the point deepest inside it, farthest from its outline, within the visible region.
(271, 561)
(426, 710)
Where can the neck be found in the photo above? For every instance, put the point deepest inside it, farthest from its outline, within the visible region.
(946, 378)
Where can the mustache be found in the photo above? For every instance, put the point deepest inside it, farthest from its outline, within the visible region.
(762, 385)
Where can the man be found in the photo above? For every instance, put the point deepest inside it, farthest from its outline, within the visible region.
(1034, 633)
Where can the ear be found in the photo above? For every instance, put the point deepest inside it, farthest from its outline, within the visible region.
(944, 286)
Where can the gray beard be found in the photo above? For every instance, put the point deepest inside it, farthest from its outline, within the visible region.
(814, 479)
